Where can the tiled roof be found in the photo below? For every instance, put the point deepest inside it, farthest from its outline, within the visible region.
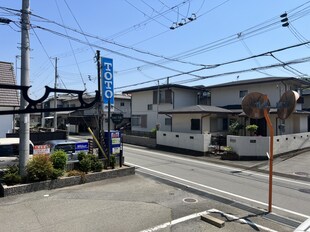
(155, 87)
(196, 109)
(297, 81)
(8, 97)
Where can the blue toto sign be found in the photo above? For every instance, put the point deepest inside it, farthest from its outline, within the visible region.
(107, 83)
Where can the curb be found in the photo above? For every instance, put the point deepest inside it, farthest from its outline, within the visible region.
(64, 181)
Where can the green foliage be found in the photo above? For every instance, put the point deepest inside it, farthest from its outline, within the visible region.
(81, 155)
(85, 165)
(228, 148)
(39, 168)
(57, 173)
(59, 159)
(251, 128)
(112, 161)
(97, 166)
(234, 128)
(11, 175)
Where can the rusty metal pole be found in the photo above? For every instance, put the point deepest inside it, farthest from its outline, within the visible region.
(269, 124)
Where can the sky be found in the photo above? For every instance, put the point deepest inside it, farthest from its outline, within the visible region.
(137, 35)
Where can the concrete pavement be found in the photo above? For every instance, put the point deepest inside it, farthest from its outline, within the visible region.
(132, 203)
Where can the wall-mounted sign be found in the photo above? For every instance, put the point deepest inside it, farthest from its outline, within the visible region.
(107, 83)
(117, 118)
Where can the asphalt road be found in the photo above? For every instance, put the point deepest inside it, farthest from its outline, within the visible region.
(290, 197)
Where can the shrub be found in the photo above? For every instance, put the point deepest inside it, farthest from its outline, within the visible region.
(81, 155)
(97, 166)
(85, 165)
(57, 173)
(39, 168)
(234, 128)
(252, 128)
(59, 159)
(11, 175)
(112, 161)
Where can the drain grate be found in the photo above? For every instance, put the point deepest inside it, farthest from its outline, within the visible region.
(301, 173)
(304, 191)
(190, 200)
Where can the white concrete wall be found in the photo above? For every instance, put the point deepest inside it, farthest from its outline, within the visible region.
(6, 122)
(249, 145)
(258, 146)
(230, 95)
(195, 142)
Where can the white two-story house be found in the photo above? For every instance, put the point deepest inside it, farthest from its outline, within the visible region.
(146, 103)
(229, 96)
(193, 126)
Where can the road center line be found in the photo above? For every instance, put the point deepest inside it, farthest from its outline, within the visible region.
(217, 190)
(219, 166)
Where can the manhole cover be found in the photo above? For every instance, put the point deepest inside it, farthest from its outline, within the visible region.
(190, 200)
(301, 173)
(304, 190)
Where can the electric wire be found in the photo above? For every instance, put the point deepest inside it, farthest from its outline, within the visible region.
(109, 50)
(78, 67)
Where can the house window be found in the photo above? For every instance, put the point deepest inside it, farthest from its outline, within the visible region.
(150, 107)
(135, 121)
(168, 121)
(122, 103)
(165, 96)
(242, 93)
(195, 124)
(139, 120)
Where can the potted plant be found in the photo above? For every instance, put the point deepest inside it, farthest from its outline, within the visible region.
(252, 129)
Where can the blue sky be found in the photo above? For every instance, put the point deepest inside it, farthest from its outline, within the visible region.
(136, 34)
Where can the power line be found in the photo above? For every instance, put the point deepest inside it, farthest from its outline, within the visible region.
(78, 67)
(111, 51)
(226, 63)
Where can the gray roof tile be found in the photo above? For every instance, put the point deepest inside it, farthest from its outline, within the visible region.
(8, 97)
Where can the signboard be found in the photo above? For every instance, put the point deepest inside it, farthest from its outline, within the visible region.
(117, 118)
(41, 149)
(107, 83)
(115, 141)
(83, 146)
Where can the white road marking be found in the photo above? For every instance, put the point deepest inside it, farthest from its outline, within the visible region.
(244, 221)
(176, 221)
(220, 166)
(217, 190)
(195, 215)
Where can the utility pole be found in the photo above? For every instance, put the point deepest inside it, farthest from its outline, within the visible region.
(24, 76)
(55, 96)
(100, 155)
